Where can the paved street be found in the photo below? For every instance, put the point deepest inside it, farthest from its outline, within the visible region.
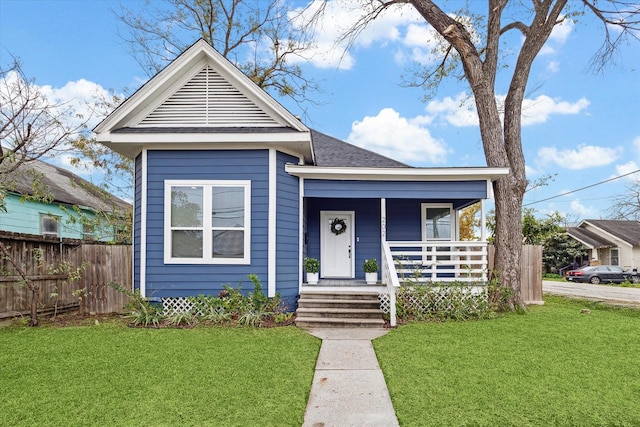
(594, 292)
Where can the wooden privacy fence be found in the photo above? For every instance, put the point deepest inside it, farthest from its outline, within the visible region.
(41, 260)
(530, 272)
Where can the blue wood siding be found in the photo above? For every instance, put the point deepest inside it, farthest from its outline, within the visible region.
(404, 219)
(367, 231)
(193, 279)
(288, 232)
(137, 220)
(449, 190)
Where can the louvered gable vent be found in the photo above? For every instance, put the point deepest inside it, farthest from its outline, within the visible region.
(208, 100)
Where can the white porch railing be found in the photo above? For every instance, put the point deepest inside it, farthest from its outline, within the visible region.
(432, 261)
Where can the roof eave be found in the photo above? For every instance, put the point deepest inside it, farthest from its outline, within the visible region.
(396, 174)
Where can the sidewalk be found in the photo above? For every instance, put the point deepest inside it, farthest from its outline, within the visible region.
(616, 294)
(348, 386)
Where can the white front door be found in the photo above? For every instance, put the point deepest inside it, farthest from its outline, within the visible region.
(336, 244)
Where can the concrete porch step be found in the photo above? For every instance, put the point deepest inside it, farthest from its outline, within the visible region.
(339, 310)
(328, 322)
(338, 303)
(355, 313)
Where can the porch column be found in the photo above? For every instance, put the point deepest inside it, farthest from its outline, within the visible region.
(483, 222)
(383, 219)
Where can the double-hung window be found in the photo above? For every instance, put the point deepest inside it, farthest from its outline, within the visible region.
(437, 222)
(207, 222)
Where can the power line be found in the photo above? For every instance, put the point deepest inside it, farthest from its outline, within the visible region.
(582, 188)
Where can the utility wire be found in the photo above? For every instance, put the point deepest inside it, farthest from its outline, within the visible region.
(582, 188)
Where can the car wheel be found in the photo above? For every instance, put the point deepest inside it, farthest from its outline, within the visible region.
(595, 280)
(635, 279)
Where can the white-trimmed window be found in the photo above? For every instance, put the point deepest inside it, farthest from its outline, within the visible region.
(614, 254)
(207, 222)
(437, 222)
(49, 225)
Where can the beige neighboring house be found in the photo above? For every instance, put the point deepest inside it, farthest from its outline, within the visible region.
(610, 242)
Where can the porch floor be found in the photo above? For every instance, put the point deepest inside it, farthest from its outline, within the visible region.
(343, 285)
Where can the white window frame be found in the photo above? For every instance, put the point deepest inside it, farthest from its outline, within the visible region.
(54, 218)
(423, 218)
(207, 257)
(617, 252)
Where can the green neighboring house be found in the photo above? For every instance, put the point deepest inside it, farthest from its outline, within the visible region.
(42, 199)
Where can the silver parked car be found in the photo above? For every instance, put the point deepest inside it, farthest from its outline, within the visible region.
(602, 274)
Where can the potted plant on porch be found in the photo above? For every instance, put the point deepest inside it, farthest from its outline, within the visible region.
(312, 266)
(370, 268)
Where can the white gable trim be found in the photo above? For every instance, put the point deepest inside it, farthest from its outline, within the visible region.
(179, 72)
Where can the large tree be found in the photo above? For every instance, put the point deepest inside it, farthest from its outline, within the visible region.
(31, 126)
(256, 35)
(476, 45)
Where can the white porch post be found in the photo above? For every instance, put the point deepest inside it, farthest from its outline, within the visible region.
(483, 222)
(383, 230)
(483, 237)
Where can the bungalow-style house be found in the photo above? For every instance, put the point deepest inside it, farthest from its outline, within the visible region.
(46, 200)
(228, 183)
(609, 242)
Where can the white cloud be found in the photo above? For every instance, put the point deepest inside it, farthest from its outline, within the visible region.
(81, 96)
(539, 109)
(341, 15)
(459, 111)
(398, 137)
(582, 157)
(553, 66)
(558, 37)
(582, 210)
(628, 168)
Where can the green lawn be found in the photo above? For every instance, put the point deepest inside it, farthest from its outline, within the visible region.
(554, 366)
(112, 375)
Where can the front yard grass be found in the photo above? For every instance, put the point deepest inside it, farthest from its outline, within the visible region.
(118, 376)
(555, 366)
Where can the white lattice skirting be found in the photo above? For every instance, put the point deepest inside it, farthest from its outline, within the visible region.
(177, 305)
(439, 300)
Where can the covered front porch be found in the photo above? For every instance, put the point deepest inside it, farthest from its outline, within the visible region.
(407, 219)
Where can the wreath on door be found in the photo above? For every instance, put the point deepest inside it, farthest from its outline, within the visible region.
(338, 226)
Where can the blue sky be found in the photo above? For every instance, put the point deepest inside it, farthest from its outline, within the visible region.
(584, 127)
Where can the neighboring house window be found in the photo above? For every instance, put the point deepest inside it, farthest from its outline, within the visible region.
(88, 232)
(49, 225)
(207, 222)
(437, 222)
(615, 256)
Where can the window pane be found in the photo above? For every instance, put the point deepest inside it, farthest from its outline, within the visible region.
(186, 244)
(228, 207)
(186, 206)
(438, 223)
(228, 244)
(49, 225)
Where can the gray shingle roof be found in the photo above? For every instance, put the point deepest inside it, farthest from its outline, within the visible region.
(589, 237)
(64, 186)
(332, 152)
(628, 231)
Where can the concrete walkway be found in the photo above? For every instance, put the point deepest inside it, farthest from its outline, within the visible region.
(348, 386)
(615, 294)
